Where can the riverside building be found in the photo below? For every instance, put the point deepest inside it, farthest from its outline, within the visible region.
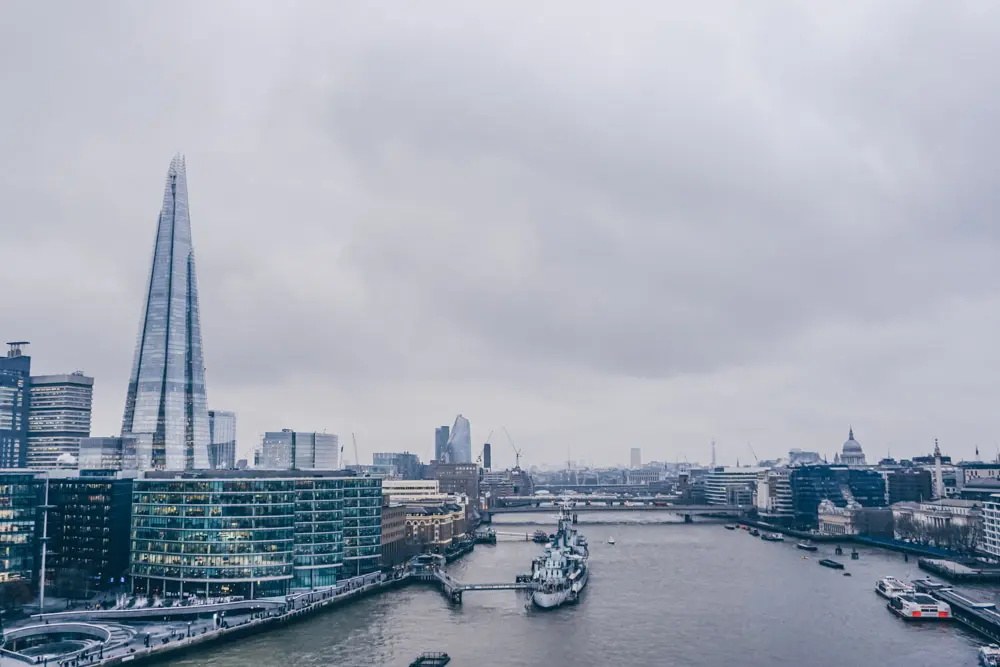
(252, 533)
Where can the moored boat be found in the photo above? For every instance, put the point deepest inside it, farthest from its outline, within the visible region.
(913, 606)
(755, 532)
(890, 587)
(989, 656)
(806, 546)
(772, 537)
(730, 526)
(826, 562)
(561, 573)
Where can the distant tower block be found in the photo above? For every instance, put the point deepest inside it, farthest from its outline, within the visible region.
(487, 456)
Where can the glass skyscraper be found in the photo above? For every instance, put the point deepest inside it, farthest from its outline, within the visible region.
(166, 391)
(222, 439)
(15, 379)
(460, 443)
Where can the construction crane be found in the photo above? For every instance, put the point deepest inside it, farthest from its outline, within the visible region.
(357, 461)
(479, 459)
(517, 452)
(754, 453)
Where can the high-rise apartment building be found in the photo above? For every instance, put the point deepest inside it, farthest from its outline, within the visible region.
(15, 380)
(222, 440)
(460, 442)
(635, 458)
(166, 392)
(441, 436)
(58, 419)
(298, 450)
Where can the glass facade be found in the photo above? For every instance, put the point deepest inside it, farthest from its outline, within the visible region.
(222, 440)
(58, 419)
(459, 448)
(838, 484)
(19, 501)
(319, 531)
(250, 534)
(166, 392)
(298, 450)
(88, 532)
(15, 374)
(362, 525)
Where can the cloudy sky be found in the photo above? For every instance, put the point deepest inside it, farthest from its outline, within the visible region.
(601, 225)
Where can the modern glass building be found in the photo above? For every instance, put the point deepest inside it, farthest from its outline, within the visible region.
(15, 378)
(298, 450)
(460, 442)
(222, 440)
(406, 465)
(58, 419)
(19, 502)
(838, 484)
(362, 525)
(250, 533)
(166, 392)
(441, 437)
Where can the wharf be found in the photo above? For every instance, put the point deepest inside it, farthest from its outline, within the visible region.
(954, 571)
(978, 615)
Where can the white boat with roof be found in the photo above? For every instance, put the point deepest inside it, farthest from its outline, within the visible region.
(890, 587)
(989, 656)
(919, 606)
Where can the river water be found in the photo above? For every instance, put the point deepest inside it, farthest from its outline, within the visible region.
(665, 594)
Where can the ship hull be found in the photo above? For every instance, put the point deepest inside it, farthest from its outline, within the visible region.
(549, 600)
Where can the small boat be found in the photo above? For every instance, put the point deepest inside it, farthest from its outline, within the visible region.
(826, 562)
(730, 526)
(540, 537)
(890, 587)
(611, 540)
(755, 532)
(913, 606)
(806, 546)
(989, 656)
(854, 554)
(847, 574)
(772, 537)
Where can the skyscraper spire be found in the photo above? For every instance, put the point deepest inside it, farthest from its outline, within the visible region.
(166, 392)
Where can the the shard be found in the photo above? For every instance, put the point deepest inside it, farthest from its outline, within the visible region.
(166, 391)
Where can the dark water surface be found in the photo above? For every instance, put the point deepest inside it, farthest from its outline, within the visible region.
(666, 594)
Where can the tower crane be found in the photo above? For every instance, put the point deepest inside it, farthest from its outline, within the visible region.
(754, 453)
(517, 452)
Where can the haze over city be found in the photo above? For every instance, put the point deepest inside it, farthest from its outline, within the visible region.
(601, 229)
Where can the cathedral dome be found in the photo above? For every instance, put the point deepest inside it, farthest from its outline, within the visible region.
(852, 446)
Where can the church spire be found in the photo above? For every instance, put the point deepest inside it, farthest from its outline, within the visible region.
(850, 433)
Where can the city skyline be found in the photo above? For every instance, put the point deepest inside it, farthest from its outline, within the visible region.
(767, 251)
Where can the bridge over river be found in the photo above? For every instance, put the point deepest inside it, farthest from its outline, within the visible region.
(579, 508)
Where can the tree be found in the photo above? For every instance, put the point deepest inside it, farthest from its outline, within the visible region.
(15, 594)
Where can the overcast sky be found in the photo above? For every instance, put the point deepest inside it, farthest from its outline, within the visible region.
(602, 225)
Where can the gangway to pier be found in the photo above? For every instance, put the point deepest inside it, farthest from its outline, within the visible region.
(453, 588)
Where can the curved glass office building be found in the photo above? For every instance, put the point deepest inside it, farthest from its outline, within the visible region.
(254, 534)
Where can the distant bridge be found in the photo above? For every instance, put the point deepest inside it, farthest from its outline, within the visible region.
(686, 510)
(453, 588)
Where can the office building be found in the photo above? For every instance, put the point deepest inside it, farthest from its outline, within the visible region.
(731, 486)
(487, 456)
(299, 450)
(839, 484)
(774, 495)
(396, 549)
(990, 543)
(221, 440)
(114, 453)
(269, 531)
(406, 465)
(19, 530)
(412, 490)
(455, 478)
(908, 485)
(441, 437)
(635, 458)
(58, 418)
(948, 523)
(166, 392)
(88, 531)
(15, 380)
(460, 442)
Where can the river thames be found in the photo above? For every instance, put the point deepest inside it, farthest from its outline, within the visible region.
(665, 594)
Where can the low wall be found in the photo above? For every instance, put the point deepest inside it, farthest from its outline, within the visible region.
(157, 612)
